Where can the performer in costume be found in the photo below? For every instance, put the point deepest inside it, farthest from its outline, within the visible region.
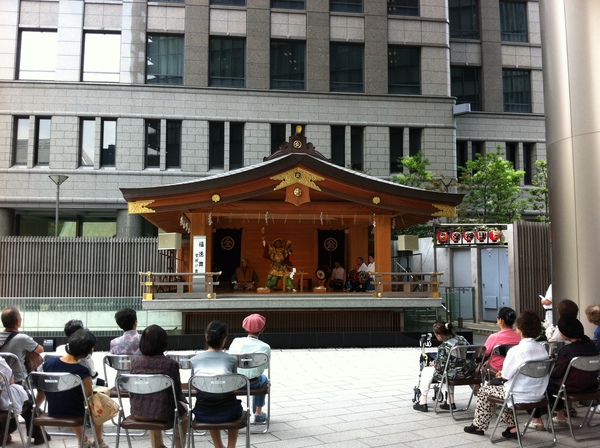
(280, 254)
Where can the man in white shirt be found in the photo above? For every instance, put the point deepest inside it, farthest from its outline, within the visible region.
(254, 325)
(338, 277)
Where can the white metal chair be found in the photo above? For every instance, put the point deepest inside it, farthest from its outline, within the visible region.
(218, 384)
(120, 363)
(253, 361)
(553, 347)
(588, 364)
(472, 355)
(145, 384)
(10, 412)
(532, 369)
(53, 382)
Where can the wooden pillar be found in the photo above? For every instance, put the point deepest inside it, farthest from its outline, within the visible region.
(383, 247)
(358, 242)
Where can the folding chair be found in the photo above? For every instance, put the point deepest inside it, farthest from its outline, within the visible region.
(588, 364)
(499, 351)
(10, 413)
(552, 347)
(219, 384)
(13, 362)
(58, 382)
(252, 361)
(466, 354)
(532, 369)
(145, 384)
(120, 363)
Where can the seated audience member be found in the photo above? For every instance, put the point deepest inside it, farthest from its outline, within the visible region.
(70, 403)
(461, 368)
(338, 277)
(254, 325)
(159, 406)
(507, 335)
(216, 408)
(527, 390)
(244, 278)
(578, 381)
(19, 396)
(129, 342)
(565, 308)
(592, 312)
(71, 327)
(19, 344)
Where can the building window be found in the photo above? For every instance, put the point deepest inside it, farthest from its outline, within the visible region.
(346, 5)
(278, 136)
(236, 145)
(289, 4)
(338, 145)
(228, 2)
(528, 162)
(173, 150)
(396, 149)
(466, 86)
(346, 68)
(37, 55)
(403, 7)
(464, 19)
(152, 144)
(404, 70)
(87, 143)
(356, 147)
(42, 141)
(109, 143)
(227, 62)
(216, 145)
(287, 64)
(164, 59)
(414, 140)
(101, 57)
(517, 90)
(512, 151)
(21, 140)
(513, 21)
(462, 156)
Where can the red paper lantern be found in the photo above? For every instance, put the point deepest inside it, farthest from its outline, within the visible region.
(468, 236)
(481, 236)
(456, 237)
(495, 235)
(442, 237)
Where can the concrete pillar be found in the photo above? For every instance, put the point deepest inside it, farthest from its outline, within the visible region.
(129, 226)
(7, 221)
(571, 63)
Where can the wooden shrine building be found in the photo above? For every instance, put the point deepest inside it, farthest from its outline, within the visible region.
(329, 213)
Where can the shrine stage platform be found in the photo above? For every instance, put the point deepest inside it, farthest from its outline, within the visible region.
(312, 320)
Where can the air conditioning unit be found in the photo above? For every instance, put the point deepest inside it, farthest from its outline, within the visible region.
(169, 241)
(408, 242)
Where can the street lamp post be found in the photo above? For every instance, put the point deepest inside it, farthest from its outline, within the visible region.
(57, 179)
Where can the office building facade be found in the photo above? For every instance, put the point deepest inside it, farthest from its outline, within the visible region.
(137, 93)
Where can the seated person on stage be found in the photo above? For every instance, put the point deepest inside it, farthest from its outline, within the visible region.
(129, 342)
(355, 283)
(254, 325)
(507, 335)
(370, 286)
(578, 381)
(244, 278)
(71, 327)
(338, 277)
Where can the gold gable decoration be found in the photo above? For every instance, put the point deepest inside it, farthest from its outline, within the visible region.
(298, 176)
(137, 207)
(446, 211)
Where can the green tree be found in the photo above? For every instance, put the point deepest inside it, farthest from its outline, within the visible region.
(538, 195)
(417, 173)
(492, 187)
